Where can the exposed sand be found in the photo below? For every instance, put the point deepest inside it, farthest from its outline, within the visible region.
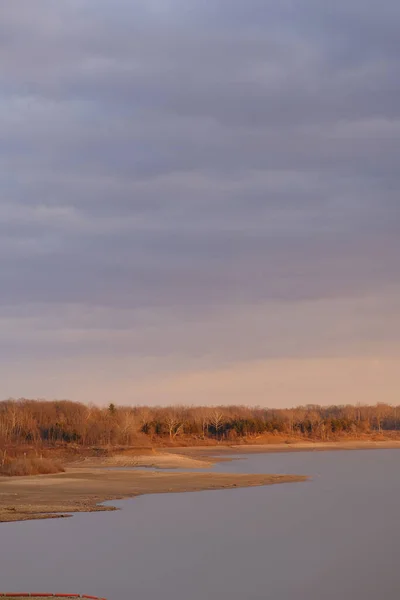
(81, 490)
(92, 481)
(206, 452)
(158, 460)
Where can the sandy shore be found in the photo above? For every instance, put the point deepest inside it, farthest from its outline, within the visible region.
(202, 457)
(81, 489)
(157, 460)
(218, 451)
(89, 482)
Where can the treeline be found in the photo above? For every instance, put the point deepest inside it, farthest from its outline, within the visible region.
(37, 422)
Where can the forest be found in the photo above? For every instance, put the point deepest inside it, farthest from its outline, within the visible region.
(42, 423)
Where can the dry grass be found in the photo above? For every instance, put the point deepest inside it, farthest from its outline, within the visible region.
(160, 460)
(30, 466)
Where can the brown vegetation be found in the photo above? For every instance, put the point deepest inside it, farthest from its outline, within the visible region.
(37, 425)
(29, 466)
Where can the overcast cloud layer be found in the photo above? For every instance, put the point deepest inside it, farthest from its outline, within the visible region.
(198, 195)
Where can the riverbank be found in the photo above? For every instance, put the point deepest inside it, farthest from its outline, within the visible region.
(202, 457)
(93, 480)
(160, 459)
(82, 490)
(223, 450)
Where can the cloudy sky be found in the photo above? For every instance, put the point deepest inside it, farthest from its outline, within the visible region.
(200, 201)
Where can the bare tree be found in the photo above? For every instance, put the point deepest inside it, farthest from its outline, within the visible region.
(127, 425)
(174, 423)
(216, 420)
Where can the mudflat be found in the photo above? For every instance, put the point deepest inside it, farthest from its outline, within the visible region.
(82, 490)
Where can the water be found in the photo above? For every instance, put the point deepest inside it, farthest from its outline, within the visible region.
(335, 537)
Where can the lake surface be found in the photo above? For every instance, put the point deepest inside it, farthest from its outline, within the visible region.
(335, 537)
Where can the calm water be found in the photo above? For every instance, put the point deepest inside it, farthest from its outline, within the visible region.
(337, 537)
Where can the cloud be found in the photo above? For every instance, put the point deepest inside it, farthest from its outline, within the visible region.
(165, 162)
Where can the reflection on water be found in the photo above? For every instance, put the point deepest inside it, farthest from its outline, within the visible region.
(337, 536)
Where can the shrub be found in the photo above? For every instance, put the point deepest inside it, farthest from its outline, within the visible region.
(30, 466)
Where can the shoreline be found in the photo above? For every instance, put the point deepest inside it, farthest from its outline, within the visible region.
(218, 451)
(157, 460)
(87, 484)
(84, 490)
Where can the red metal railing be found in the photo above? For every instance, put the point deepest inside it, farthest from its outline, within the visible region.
(37, 595)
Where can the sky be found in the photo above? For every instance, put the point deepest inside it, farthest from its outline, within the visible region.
(200, 201)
